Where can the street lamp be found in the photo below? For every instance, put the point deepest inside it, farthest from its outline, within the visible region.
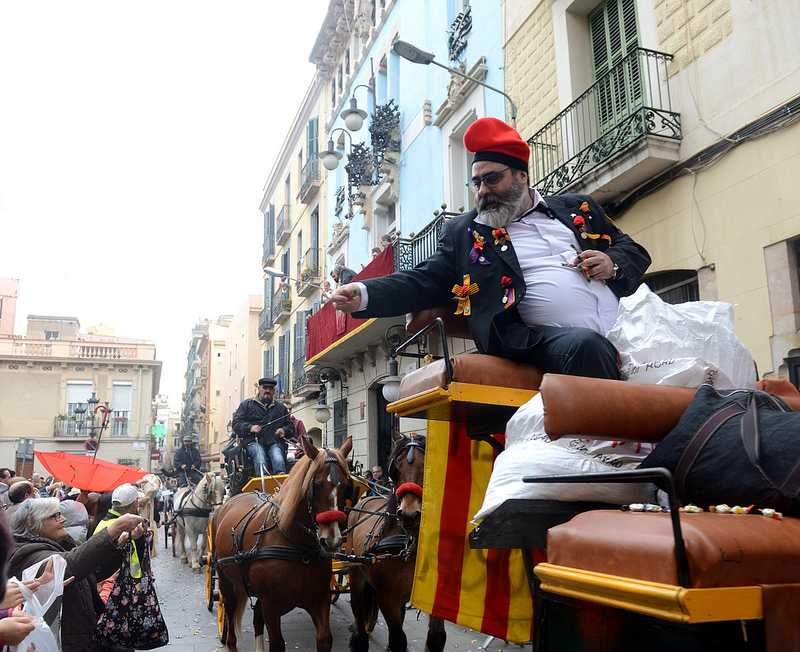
(354, 117)
(91, 408)
(322, 412)
(416, 54)
(279, 273)
(331, 157)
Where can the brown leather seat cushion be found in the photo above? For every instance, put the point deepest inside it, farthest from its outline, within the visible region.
(474, 368)
(722, 549)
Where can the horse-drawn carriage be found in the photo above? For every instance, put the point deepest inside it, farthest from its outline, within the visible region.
(564, 575)
(287, 542)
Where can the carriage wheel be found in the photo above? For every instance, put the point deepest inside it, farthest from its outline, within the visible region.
(212, 595)
(222, 622)
(339, 584)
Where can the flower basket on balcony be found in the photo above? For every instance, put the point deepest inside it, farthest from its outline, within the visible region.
(307, 274)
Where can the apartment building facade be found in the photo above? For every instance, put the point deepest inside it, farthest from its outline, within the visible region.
(681, 119)
(294, 260)
(54, 384)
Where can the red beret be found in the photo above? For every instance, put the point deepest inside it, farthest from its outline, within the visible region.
(491, 139)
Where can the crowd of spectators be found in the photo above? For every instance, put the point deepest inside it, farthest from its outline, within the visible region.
(42, 517)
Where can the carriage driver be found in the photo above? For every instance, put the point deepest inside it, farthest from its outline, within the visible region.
(187, 463)
(263, 425)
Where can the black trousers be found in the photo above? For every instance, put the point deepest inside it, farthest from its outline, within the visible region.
(560, 350)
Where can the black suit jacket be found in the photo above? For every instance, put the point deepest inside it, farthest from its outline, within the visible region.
(496, 327)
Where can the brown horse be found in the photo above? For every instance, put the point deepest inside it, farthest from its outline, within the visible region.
(277, 548)
(386, 528)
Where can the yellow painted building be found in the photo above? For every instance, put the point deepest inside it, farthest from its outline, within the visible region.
(680, 117)
(55, 371)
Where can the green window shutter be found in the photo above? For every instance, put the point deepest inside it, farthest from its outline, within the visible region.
(312, 138)
(614, 35)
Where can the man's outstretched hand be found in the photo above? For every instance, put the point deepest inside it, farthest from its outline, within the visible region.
(347, 298)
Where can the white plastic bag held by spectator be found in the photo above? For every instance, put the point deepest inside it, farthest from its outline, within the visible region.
(44, 606)
(685, 344)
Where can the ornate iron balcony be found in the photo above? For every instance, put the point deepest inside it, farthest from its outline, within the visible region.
(630, 102)
(283, 225)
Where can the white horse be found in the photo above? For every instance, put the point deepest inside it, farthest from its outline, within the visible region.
(150, 485)
(192, 507)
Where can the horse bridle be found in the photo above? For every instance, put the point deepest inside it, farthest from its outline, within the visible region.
(334, 469)
(415, 443)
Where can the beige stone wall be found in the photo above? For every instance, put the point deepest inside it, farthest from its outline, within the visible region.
(689, 29)
(531, 64)
(728, 215)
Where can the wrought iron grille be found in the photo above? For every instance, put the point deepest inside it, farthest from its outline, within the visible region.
(629, 102)
(459, 31)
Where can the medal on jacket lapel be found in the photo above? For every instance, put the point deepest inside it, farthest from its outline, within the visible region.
(463, 293)
(508, 291)
(501, 237)
(476, 255)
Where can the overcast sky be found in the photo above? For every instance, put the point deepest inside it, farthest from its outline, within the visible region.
(135, 140)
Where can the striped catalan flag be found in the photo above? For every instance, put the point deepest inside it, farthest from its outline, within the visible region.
(484, 590)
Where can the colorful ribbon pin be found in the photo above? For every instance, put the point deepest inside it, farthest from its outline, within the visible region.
(501, 237)
(508, 291)
(463, 293)
(476, 255)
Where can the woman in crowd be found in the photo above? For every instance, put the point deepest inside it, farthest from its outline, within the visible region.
(14, 625)
(38, 529)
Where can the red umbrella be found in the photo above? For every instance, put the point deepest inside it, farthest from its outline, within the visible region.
(85, 473)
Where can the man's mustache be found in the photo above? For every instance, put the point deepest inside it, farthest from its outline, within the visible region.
(488, 200)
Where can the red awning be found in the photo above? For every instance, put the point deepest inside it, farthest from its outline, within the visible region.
(90, 475)
(328, 326)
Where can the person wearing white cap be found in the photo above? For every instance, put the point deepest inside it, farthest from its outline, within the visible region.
(124, 500)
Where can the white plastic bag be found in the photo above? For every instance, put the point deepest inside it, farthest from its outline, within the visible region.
(529, 451)
(685, 344)
(44, 606)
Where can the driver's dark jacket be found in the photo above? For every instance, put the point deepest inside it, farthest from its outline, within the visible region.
(190, 457)
(270, 417)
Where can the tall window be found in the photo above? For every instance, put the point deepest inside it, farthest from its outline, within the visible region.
(78, 392)
(312, 138)
(284, 383)
(120, 409)
(676, 286)
(614, 35)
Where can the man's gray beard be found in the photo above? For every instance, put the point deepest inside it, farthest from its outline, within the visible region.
(509, 209)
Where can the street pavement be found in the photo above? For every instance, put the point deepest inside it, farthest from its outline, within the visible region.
(192, 628)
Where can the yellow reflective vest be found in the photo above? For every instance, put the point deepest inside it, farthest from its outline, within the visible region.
(136, 568)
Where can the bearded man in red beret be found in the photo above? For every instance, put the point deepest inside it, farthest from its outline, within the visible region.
(538, 278)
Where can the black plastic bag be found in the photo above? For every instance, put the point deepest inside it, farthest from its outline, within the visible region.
(740, 447)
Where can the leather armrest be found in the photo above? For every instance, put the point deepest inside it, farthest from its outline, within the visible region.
(611, 409)
(454, 325)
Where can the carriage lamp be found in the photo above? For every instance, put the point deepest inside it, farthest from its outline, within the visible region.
(416, 54)
(391, 384)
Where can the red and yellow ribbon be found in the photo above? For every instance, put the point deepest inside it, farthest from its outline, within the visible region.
(463, 293)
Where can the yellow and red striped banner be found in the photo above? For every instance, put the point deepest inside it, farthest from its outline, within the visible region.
(484, 590)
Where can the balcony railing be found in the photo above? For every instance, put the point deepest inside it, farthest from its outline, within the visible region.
(281, 304)
(308, 271)
(303, 382)
(265, 325)
(631, 101)
(119, 427)
(268, 250)
(283, 225)
(309, 177)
